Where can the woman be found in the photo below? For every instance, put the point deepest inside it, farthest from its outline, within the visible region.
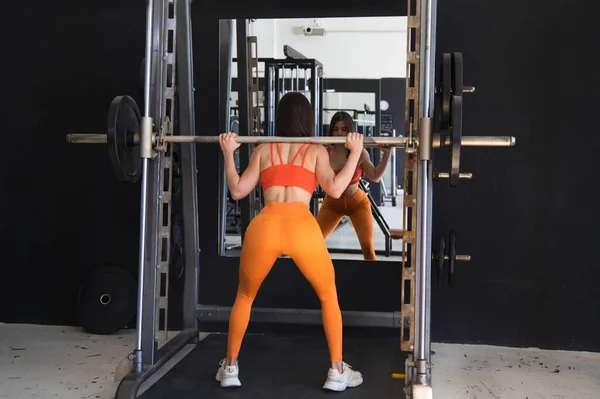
(353, 202)
(289, 174)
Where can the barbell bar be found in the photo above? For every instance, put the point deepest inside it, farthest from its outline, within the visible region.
(125, 144)
(467, 141)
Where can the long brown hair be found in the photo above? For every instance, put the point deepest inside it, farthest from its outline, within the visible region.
(295, 116)
(342, 116)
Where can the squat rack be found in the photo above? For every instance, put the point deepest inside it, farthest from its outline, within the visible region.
(168, 79)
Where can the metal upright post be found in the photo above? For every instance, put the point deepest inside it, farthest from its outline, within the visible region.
(320, 132)
(422, 350)
(318, 97)
(189, 173)
(225, 61)
(314, 95)
(153, 310)
(245, 123)
(270, 97)
(144, 348)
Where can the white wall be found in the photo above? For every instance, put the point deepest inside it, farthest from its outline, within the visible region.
(361, 48)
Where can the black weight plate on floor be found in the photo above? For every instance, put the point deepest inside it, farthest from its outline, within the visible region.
(456, 136)
(107, 300)
(457, 74)
(123, 121)
(446, 90)
(440, 261)
(284, 367)
(452, 257)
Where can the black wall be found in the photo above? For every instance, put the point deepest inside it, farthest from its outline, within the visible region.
(530, 216)
(393, 90)
(533, 278)
(63, 211)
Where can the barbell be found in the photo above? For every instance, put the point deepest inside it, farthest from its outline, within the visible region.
(123, 140)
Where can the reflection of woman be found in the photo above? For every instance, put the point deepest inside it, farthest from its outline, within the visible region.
(353, 202)
(289, 174)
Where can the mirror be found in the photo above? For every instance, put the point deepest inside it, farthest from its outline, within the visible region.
(355, 66)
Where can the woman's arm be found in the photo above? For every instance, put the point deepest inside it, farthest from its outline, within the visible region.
(239, 187)
(334, 185)
(374, 173)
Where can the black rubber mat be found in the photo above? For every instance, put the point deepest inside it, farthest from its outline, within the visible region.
(283, 367)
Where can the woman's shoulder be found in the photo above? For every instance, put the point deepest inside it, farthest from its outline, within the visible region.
(259, 150)
(261, 147)
(318, 148)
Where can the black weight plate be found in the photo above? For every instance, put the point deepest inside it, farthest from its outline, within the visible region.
(456, 136)
(107, 300)
(446, 90)
(123, 121)
(457, 74)
(452, 257)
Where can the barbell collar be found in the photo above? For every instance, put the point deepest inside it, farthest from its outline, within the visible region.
(459, 258)
(438, 142)
(85, 138)
(425, 139)
(446, 175)
(487, 141)
(146, 139)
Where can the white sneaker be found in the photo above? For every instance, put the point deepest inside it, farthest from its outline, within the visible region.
(228, 376)
(337, 381)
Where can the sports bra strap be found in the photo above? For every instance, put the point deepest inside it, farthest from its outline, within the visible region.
(304, 156)
(279, 153)
(295, 156)
(297, 153)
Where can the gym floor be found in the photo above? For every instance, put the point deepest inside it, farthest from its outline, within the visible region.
(67, 363)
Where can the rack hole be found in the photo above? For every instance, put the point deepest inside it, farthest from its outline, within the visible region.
(407, 292)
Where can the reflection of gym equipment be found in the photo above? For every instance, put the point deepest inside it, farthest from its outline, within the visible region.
(296, 73)
(390, 234)
(233, 215)
(393, 194)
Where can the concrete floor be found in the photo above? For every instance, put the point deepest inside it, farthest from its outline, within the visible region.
(66, 363)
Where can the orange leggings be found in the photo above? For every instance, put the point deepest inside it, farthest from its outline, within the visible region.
(285, 228)
(358, 208)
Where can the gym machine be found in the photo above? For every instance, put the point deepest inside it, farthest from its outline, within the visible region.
(294, 73)
(139, 145)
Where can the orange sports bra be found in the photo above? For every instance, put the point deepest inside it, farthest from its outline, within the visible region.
(357, 172)
(289, 174)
